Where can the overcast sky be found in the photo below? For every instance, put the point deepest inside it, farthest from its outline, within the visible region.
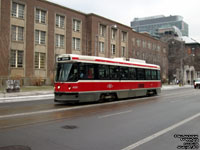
(124, 11)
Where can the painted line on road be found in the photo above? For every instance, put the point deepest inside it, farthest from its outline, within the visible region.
(149, 138)
(110, 115)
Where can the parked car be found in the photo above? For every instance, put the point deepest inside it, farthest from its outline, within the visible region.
(197, 83)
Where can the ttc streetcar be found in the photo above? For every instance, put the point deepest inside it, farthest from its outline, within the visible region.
(82, 78)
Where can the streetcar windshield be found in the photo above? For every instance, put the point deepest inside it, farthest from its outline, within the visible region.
(66, 72)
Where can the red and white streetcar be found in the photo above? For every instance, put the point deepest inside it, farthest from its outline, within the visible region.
(87, 78)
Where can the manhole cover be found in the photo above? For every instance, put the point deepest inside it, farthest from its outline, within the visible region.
(15, 147)
(70, 127)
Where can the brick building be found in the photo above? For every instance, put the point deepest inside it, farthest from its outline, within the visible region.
(34, 32)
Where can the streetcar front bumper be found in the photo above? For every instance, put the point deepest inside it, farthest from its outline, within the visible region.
(66, 97)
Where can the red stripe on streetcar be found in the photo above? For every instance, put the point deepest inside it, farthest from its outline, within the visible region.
(76, 58)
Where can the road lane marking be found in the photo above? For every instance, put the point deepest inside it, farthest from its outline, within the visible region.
(110, 115)
(151, 137)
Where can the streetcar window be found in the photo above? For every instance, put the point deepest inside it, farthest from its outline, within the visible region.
(140, 74)
(132, 74)
(124, 73)
(158, 75)
(148, 74)
(63, 70)
(86, 71)
(153, 75)
(103, 72)
(114, 72)
(73, 75)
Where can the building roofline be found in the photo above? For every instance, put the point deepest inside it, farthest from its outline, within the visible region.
(93, 14)
(52, 3)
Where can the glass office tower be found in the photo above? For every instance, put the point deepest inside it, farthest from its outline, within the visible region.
(154, 23)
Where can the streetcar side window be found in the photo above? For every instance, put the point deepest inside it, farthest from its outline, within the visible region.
(140, 74)
(153, 74)
(103, 72)
(148, 74)
(124, 73)
(132, 74)
(114, 72)
(158, 75)
(86, 71)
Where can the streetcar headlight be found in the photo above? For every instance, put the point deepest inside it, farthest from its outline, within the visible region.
(69, 87)
(58, 87)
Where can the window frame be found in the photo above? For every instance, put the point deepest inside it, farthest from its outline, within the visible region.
(39, 18)
(60, 41)
(16, 13)
(18, 61)
(39, 39)
(60, 21)
(76, 25)
(113, 49)
(39, 59)
(101, 47)
(76, 44)
(16, 34)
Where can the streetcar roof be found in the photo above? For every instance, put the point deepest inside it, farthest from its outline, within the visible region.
(102, 60)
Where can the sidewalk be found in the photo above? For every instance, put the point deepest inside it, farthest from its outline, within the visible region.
(31, 93)
(170, 87)
(42, 94)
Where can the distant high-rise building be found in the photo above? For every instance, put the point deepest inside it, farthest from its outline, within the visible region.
(154, 24)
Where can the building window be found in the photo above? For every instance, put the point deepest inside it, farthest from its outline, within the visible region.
(123, 51)
(138, 42)
(59, 41)
(158, 48)
(149, 45)
(113, 34)
(17, 33)
(40, 37)
(60, 21)
(113, 50)
(40, 16)
(76, 42)
(133, 40)
(16, 58)
(124, 36)
(76, 25)
(154, 46)
(18, 10)
(102, 30)
(144, 44)
(101, 47)
(193, 50)
(40, 60)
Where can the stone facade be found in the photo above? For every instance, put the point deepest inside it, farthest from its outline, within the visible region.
(34, 32)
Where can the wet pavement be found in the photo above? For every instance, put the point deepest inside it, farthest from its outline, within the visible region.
(103, 126)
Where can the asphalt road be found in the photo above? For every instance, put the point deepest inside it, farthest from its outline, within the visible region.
(169, 121)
